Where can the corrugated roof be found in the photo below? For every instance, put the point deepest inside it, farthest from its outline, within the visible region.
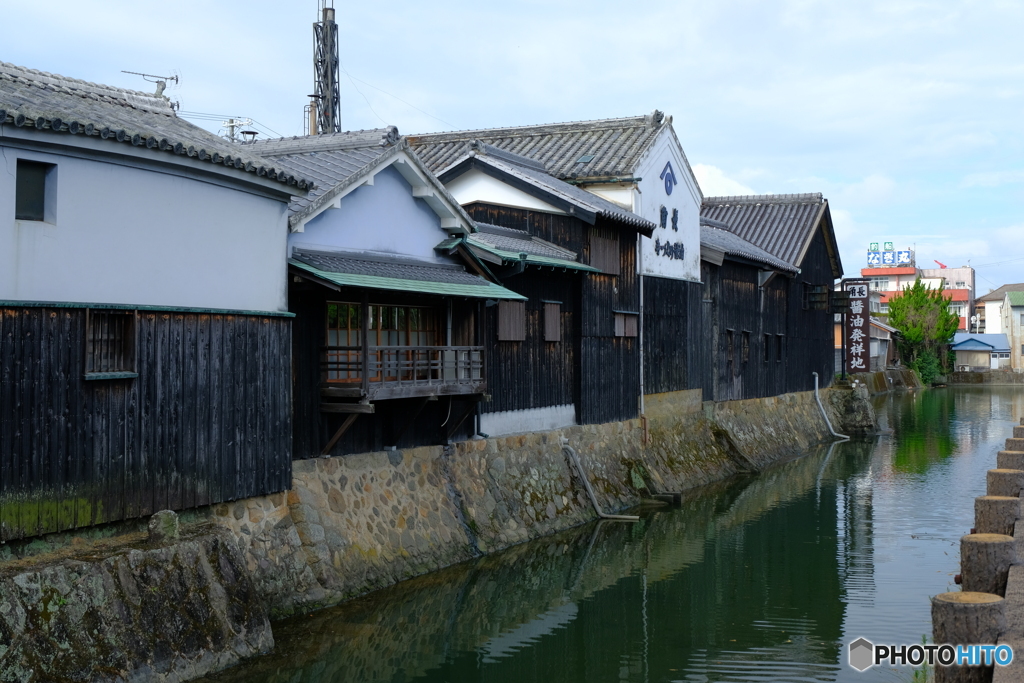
(1016, 298)
(614, 146)
(532, 173)
(727, 242)
(1000, 294)
(58, 104)
(781, 224)
(359, 270)
(967, 341)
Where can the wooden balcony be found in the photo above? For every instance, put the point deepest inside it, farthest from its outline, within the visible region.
(352, 374)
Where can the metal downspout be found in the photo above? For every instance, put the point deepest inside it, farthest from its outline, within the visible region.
(590, 491)
(823, 414)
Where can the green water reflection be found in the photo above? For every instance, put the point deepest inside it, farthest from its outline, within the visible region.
(764, 578)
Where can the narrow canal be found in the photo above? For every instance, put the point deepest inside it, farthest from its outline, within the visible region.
(762, 579)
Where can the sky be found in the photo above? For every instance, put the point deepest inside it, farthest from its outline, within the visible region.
(906, 115)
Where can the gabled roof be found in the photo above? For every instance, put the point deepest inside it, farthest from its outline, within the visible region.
(782, 224)
(1016, 298)
(531, 176)
(713, 235)
(501, 246)
(394, 274)
(341, 162)
(877, 322)
(1000, 294)
(963, 341)
(59, 105)
(614, 146)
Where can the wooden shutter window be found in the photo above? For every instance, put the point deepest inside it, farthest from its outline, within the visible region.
(626, 324)
(604, 253)
(746, 346)
(552, 322)
(511, 321)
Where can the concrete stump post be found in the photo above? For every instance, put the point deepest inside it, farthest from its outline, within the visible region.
(1015, 444)
(1005, 483)
(1018, 432)
(966, 618)
(985, 561)
(996, 514)
(1010, 460)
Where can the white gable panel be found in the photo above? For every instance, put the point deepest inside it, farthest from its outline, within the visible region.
(476, 186)
(382, 218)
(674, 250)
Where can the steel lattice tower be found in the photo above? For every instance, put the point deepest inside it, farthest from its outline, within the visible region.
(326, 69)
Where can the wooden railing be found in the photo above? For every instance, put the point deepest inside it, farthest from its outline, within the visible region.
(403, 366)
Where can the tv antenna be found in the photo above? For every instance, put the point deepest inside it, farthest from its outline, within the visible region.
(161, 81)
(233, 124)
(325, 104)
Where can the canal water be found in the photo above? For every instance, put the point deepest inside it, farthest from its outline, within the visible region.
(765, 578)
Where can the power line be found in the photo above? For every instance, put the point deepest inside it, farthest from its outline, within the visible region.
(360, 92)
(436, 118)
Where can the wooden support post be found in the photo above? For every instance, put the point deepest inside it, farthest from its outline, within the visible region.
(985, 561)
(1010, 460)
(338, 434)
(966, 618)
(996, 514)
(1005, 482)
(365, 307)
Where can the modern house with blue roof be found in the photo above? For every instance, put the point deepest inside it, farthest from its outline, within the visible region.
(389, 283)
(981, 352)
(144, 328)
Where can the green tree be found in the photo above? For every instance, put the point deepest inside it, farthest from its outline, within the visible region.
(926, 328)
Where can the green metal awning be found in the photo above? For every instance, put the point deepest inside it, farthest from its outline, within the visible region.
(484, 290)
(480, 247)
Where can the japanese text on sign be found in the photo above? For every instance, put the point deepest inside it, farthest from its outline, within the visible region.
(856, 326)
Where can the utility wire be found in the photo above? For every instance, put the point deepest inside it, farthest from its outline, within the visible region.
(342, 65)
(400, 100)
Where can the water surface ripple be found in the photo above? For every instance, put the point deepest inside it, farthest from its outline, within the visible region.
(761, 579)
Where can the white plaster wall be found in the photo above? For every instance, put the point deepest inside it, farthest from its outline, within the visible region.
(532, 420)
(476, 186)
(993, 317)
(383, 218)
(125, 235)
(685, 197)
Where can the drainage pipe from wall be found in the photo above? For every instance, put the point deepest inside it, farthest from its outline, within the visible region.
(823, 413)
(590, 491)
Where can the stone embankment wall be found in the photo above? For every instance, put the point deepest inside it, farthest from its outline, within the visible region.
(993, 378)
(886, 380)
(349, 525)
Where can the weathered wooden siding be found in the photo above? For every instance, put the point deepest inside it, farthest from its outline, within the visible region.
(675, 354)
(608, 366)
(534, 373)
(812, 346)
(207, 419)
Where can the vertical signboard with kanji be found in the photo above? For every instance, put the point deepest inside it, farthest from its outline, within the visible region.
(856, 332)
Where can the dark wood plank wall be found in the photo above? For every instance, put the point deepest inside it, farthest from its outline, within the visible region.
(812, 345)
(609, 366)
(313, 429)
(534, 373)
(207, 419)
(674, 341)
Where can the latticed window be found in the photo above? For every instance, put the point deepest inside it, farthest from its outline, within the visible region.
(815, 297)
(109, 343)
(388, 326)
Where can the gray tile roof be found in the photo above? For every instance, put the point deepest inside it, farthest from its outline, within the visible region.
(338, 161)
(519, 242)
(615, 145)
(780, 224)
(396, 268)
(734, 245)
(57, 104)
(533, 173)
(1000, 294)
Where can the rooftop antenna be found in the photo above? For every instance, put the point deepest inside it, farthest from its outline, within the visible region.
(161, 81)
(325, 103)
(233, 124)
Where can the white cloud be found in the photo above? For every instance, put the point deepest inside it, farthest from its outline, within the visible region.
(993, 179)
(714, 183)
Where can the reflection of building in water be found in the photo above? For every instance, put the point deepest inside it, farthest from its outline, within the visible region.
(854, 499)
(743, 578)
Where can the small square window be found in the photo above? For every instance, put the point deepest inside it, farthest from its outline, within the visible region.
(626, 324)
(34, 189)
(511, 321)
(109, 344)
(746, 347)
